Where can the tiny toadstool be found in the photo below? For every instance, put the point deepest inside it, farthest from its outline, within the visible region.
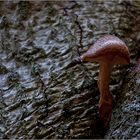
(109, 50)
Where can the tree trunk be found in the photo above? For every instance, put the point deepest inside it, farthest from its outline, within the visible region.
(41, 95)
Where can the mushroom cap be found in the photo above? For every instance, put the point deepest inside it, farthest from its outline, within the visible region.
(108, 48)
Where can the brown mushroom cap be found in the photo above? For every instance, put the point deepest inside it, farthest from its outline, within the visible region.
(108, 48)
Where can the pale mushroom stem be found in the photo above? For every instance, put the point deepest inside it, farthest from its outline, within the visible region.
(103, 83)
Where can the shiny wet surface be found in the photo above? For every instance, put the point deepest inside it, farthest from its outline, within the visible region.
(40, 96)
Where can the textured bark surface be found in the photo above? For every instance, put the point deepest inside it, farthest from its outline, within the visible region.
(41, 94)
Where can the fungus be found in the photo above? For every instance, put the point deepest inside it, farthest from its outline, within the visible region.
(108, 51)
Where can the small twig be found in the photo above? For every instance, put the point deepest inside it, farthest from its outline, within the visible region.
(80, 43)
(81, 31)
(77, 60)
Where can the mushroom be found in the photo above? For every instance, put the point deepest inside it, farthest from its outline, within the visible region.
(109, 50)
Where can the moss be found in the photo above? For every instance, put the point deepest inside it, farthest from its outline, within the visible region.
(3, 69)
(23, 10)
(13, 78)
(4, 22)
(30, 30)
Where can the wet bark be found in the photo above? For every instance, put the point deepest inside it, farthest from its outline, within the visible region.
(41, 94)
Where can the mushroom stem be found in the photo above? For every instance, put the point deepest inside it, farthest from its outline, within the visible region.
(104, 78)
(105, 102)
